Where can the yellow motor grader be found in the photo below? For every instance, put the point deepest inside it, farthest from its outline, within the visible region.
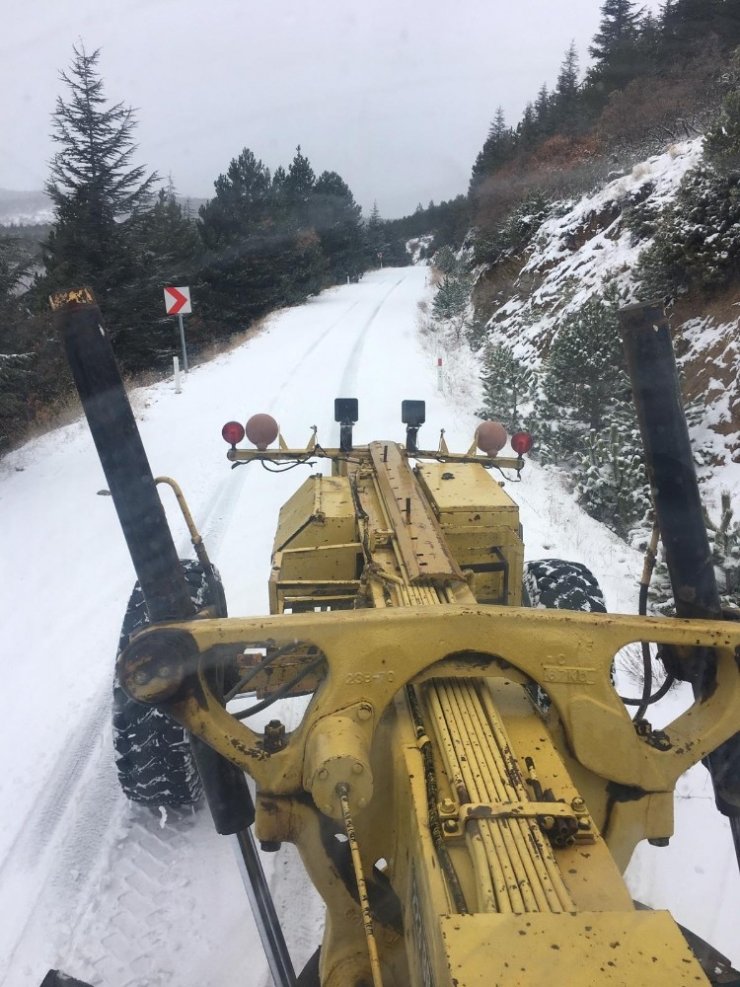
(465, 787)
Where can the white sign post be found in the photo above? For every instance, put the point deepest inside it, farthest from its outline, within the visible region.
(177, 302)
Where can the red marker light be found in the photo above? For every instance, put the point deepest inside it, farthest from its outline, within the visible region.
(521, 442)
(233, 432)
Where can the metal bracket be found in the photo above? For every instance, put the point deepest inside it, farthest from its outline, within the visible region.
(563, 824)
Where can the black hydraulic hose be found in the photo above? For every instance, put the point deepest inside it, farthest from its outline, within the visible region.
(647, 665)
(654, 698)
(232, 808)
(261, 667)
(280, 692)
(647, 699)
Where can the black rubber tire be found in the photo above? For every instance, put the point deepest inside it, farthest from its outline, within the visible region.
(553, 584)
(153, 755)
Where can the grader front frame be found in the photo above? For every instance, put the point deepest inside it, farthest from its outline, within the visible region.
(461, 828)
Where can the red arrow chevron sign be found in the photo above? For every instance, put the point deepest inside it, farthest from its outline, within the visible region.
(177, 301)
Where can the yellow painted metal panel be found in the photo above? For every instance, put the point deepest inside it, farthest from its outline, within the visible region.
(611, 949)
(320, 512)
(321, 562)
(467, 489)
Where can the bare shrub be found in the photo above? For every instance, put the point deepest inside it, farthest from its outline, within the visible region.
(655, 111)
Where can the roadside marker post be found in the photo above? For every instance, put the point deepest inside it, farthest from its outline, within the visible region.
(177, 302)
(439, 373)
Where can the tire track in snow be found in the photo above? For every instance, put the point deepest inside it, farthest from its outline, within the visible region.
(59, 850)
(298, 365)
(349, 377)
(123, 942)
(49, 809)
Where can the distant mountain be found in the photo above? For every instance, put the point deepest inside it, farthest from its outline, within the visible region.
(36, 209)
(25, 208)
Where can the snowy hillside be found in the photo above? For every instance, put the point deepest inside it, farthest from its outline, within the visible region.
(585, 247)
(124, 897)
(591, 245)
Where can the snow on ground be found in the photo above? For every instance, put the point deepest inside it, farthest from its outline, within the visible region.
(124, 897)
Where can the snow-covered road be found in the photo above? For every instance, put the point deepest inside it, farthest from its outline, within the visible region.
(123, 897)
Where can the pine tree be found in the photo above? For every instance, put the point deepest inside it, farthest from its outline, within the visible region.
(611, 482)
(168, 253)
(619, 24)
(696, 246)
(452, 301)
(93, 184)
(585, 419)
(497, 150)
(338, 220)
(170, 241)
(514, 235)
(98, 195)
(724, 536)
(304, 267)
(527, 130)
(565, 101)
(244, 267)
(15, 354)
(447, 261)
(242, 204)
(687, 24)
(543, 111)
(615, 45)
(583, 378)
(728, 23)
(692, 17)
(722, 140)
(375, 238)
(506, 384)
(298, 191)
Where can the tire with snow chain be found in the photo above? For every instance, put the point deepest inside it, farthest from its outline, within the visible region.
(153, 756)
(553, 584)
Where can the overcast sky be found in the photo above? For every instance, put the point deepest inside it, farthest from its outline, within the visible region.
(395, 95)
